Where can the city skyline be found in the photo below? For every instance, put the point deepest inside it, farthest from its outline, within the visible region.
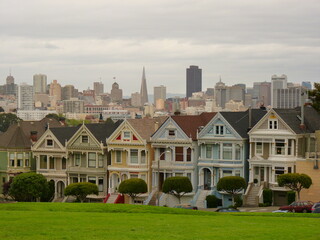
(241, 41)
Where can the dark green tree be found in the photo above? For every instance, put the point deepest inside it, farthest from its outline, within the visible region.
(295, 181)
(28, 187)
(81, 190)
(133, 187)
(177, 186)
(7, 119)
(314, 95)
(232, 185)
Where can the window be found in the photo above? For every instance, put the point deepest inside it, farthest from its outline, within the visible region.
(219, 129)
(162, 153)
(227, 151)
(208, 151)
(289, 170)
(92, 180)
(100, 161)
(238, 152)
(118, 157)
(49, 143)
(179, 154)
(77, 159)
(92, 160)
(143, 156)
(216, 151)
(64, 163)
(178, 174)
(51, 163)
(278, 171)
(20, 160)
(11, 159)
(259, 150)
(100, 184)
(134, 156)
(280, 147)
(171, 133)
(237, 173)
(227, 173)
(189, 176)
(290, 151)
(189, 155)
(143, 177)
(134, 176)
(273, 124)
(26, 162)
(84, 139)
(43, 162)
(126, 135)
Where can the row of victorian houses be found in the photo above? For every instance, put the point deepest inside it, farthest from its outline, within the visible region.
(257, 145)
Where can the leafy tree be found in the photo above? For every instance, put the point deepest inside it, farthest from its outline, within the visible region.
(315, 96)
(177, 186)
(1, 109)
(75, 122)
(48, 196)
(295, 181)
(28, 187)
(81, 190)
(232, 185)
(7, 119)
(6, 188)
(133, 187)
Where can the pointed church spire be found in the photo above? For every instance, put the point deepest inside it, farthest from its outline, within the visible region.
(143, 90)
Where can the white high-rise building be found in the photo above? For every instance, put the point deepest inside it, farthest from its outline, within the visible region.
(277, 82)
(25, 97)
(40, 83)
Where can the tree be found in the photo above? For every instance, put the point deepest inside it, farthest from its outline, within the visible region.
(7, 119)
(315, 96)
(81, 190)
(133, 187)
(28, 187)
(6, 188)
(232, 185)
(295, 181)
(177, 186)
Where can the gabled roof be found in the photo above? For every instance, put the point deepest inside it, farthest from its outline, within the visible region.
(240, 120)
(64, 134)
(147, 126)
(191, 123)
(102, 131)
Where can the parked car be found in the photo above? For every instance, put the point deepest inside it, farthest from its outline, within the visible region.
(186, 206)
(316, 208)
(227, 210)
(299, 206)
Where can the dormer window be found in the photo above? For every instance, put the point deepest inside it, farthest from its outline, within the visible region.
(219, 129)
(273, 124)
(172, 133)
(84, 139)
(49, 143)
(126, 135)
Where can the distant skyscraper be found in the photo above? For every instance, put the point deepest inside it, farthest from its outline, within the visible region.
(10, 88)
(220, 94)
(98, 88)
(307, 85)
(25, 97)
(277, 82)
(68, 92)
(136, 99)
(159, 92)
(194, 80)
(116, 93)
(40, 83)
(143, 90)
(10, 80)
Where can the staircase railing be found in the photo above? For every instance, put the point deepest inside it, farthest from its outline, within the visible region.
(147, 201)
(120, 199)
(245, 195)
(106, 198)
(193, 202)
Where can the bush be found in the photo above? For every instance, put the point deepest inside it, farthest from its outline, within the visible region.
(133, 187)
(238, 202)
(267, 197)
(291, 197)
(213, 201)
(48, 196)
(232, 185)
(177, 186)
(81, 190)
(28, 187)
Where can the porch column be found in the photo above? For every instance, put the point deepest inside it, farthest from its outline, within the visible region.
(250, 173)
(212, 179)
(272, 175)
(48, 160)
(265, 173)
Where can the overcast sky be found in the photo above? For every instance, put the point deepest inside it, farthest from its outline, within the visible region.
(78, 42)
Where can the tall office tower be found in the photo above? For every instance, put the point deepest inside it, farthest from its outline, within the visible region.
(116, 93)
(287, 97)
(220, 94)
(237, 92)
(40, 83)
(55, 90)
(265, 93)
(143, 90)
(25, 97)
(98, 88)
(73, 106)
(68, 92)
(10, 80)
(307, 85)
(159, 92)
(194, 80)
(136, 99)
(277, 82)
(10, 88)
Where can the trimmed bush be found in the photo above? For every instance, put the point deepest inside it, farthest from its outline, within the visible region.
(81, 190)
(213, 201)
(48, 196)
(291, 197)
(267, 197)
(133, 187)
(232, 185)
(177, 186)
(238, 202)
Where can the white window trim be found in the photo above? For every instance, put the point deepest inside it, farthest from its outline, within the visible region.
(115, 156)
(82, 137)
(258, 154)
(49, 146)
(273, 121)
(129, 153)
(223, 130)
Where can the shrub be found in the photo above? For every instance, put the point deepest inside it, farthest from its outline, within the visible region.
(48, 196)
(232, 185)
(177, 186)
(267, 197)
(213, 201)
(28, 187)
(133, 187)
(291, 197)
(81, 190)
(238, 202)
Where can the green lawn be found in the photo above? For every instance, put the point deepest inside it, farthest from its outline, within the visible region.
(102, 221)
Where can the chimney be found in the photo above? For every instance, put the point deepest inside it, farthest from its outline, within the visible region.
(34, 136)
(250, 117)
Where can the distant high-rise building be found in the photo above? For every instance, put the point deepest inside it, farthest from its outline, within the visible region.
(265, 93)
(220, 94)
(40, 83)
(73, 106)
(10, 80)
(55, 90)
(307, 85)
(68, 92)
(10, 88)
(287, 97)
(25, 97)
(136, 99)
(194, 80)
(143, 90)
(277, 82)
(98, 88)
(116, 93)
(159, 92)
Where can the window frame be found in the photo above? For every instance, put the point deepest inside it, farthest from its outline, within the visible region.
(90, 161)
(49, 145)
(118, 155)
(256, 148)
(135, 151)
(84, 139)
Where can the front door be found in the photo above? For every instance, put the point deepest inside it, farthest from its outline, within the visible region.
(261, 174)
(207, 179)
(60, 189)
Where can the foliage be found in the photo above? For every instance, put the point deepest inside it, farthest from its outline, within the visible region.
(267, 197)
(7, 119)
(28, 187)
(81, 190)
(177, 186)
(133, 187)
(48, 196)
(6, 188)
(232, 185)
(291, 197)
(57, 117)
(75, 122)
(213, 201)
(314, 95)
(295, 181)
(238, 202)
